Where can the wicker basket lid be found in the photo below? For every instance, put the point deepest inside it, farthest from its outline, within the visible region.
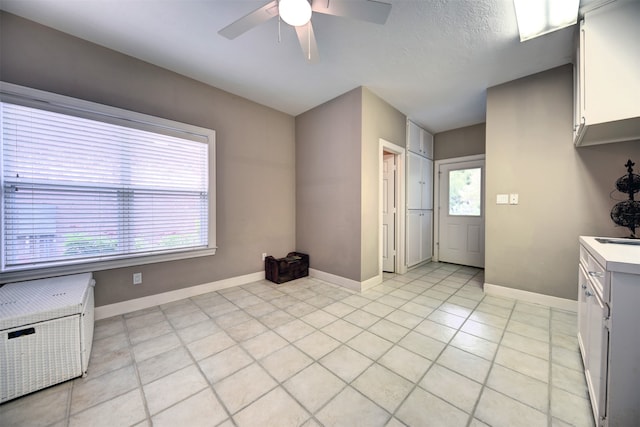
(25, 303)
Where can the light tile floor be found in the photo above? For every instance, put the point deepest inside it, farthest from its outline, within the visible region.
(427, 348)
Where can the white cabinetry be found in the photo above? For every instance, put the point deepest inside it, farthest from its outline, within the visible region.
(608, 319)
(607, 81)
(593, 338)
(419, 140)
(419, 182)
(419, 237)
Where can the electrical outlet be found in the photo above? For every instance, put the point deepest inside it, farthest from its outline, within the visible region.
(264, 255)
(137, 278)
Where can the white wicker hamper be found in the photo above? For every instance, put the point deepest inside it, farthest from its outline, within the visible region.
(47, 332)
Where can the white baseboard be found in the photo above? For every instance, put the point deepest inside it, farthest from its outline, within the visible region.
(532, 297)
(370, 283)
(354, 285)
(129, 306)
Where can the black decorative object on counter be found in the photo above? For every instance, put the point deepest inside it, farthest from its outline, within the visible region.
(627, 213)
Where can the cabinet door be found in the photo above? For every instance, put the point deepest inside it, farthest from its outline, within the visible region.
(609, 48)
(426, 193)
(578, 86)
(583, 326)
(597, 350)
(414, 237)
(419, 182)
(414, 136)
(427, 144)
(414, 181)
(427, 235)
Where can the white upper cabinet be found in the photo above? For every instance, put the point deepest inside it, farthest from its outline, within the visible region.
(607, 77)
(419, 195)
(419, 182)
(419, 141)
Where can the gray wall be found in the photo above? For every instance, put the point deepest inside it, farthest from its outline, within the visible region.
(564, 191)
(379, 120)
(337, 181)
(328, 165)
(466, 141)
(255, 149)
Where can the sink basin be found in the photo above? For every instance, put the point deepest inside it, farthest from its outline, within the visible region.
(635, 242)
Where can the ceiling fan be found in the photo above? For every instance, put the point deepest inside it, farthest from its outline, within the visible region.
(297, 13)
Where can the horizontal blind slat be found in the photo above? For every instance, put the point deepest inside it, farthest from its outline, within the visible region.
(78, 189)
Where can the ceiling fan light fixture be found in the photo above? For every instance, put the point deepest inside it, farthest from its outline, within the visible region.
(295, 12)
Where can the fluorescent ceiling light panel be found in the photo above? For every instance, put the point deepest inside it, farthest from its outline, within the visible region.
(538, 17)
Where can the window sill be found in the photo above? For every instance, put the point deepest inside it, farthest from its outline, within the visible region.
(40, 273)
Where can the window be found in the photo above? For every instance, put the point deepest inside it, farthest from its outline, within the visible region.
(91, 186)
(465, 192)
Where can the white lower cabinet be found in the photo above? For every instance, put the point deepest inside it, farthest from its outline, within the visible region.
(608, 322)
(419, 236)
(593, 338)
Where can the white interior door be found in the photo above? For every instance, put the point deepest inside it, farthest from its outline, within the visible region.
(389, 213)
(461, 213)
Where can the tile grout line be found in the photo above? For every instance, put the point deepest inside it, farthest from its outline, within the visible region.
(433, 362)
(322, 308)
(550, 373)
(197, 365)
(491, 366)
(68, 411)
(349, 384)
(291, 343)
(134, 366)
(256, 291)
(256, 361)
(375, 361)
(280, 384)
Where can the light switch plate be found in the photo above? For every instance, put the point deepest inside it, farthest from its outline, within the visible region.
(502, 199)
(513, 198)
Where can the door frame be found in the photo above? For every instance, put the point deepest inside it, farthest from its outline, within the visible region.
(436, 196)
(399, 153)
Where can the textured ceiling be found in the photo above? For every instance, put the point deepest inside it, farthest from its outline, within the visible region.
(433, 60)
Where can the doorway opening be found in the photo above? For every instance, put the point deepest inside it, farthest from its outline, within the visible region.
(391, 208)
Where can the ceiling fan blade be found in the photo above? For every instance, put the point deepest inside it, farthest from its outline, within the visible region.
(364, 10)
(307, 39)
(250, 20)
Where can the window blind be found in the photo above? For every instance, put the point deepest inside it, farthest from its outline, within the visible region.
(79, 190)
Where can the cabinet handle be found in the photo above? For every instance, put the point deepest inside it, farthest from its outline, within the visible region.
(596, 274)
(588, 294)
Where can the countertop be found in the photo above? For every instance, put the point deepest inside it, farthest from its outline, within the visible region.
(623, 258)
